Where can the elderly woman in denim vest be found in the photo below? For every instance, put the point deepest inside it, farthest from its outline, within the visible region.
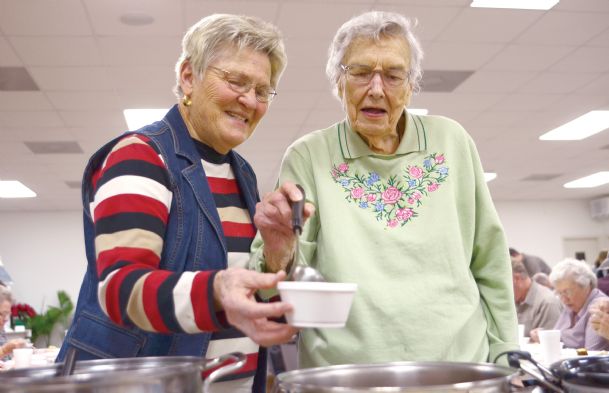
(401, 209)
(168, 216)
(575, 284)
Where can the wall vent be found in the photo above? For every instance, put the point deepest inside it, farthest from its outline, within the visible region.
(599, 208)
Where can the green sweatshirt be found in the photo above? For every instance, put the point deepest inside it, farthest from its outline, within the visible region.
(418, 232)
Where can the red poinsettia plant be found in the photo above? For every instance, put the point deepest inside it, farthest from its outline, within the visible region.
(22, 311)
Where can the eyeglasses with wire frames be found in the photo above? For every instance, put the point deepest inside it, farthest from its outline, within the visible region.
(242, 84)
(362, 75)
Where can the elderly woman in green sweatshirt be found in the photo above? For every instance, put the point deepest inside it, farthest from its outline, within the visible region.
(397, 204)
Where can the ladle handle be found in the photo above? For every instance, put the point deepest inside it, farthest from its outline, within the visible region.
(69, 362)
(297, 211)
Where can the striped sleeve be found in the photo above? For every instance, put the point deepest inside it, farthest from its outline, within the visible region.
(130, 208)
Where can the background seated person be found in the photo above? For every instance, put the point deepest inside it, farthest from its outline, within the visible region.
(532, 263)
(536, 305)
(6, 346)
(575, 284)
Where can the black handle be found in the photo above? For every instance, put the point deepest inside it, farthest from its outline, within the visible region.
(297, 211)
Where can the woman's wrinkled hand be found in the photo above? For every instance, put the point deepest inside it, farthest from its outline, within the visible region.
(234, 292)
(599, 317)
(273, 220)
(534, 338)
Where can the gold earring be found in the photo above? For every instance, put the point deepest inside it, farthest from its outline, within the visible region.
(186, 101)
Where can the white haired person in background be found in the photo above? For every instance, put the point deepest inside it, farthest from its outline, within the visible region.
(7, 346)
(575, 284)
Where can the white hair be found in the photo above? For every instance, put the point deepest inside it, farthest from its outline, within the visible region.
(375, 25)
(5, 294)
(575, 270)
(207, 38)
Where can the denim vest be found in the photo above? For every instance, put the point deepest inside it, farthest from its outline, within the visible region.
(193, 241)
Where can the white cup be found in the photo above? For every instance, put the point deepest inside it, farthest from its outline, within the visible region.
(522, 340)
(22, 357)
(549, 341)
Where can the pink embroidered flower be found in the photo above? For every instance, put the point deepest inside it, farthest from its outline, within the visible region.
(335, 173)
(391, 195)
(432, 187)
(417, 195)
(344, 167)
(371, 197)
(411, 200)
(440, 159)
(415, 172)
(404, 214)
(392, 223)
(357, 193)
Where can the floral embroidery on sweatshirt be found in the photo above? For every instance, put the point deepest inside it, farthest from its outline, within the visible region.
(395, 200)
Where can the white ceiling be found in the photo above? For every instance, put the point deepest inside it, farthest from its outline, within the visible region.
(533, 71)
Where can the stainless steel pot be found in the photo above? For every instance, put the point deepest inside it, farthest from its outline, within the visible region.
(428, 377)
(588, 374)
(179, 374)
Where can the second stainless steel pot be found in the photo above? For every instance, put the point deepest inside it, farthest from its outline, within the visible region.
(428, 377)
(181, 374)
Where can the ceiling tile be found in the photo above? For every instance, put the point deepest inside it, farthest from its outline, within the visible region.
(150, 50)
(24, 100)
(148, 78)
(488, 25)
(443, 81)
(195, 10)
(527, 57)
(25, 133)
(30, 118)
(584, 59)
(49, 17)
(556, 83)
(57, 51)
(299, 19)
(460, 56)
(583, 5)
(72, 78)
(54, 147)
(519, 102)
(564, 28)
(106, 15)
(83, 100)
(110, 118)
(598, 86)
(494, 82)
(8, 57)
(600, 40)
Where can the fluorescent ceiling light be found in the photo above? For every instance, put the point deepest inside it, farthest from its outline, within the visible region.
(591, 181)
(15, 189)
(516, 4)
(138, 118)
(415, 111)
(488, 176)
(584, 126)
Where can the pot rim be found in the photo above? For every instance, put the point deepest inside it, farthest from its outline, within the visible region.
(283, 378)
(96, 371)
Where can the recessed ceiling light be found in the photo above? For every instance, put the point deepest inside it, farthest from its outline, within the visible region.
(488, 176)
(584, 126)
(138, 118)
(595, 180)
(15, 189)
(136, 19)
(418, 111)
(515, 4)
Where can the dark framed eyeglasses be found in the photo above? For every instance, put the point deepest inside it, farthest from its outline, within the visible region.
(362, 75)
(242, 84)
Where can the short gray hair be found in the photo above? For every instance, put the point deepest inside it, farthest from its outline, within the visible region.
(578, 271)
(206, 39)
(5, 294)
(375, 25)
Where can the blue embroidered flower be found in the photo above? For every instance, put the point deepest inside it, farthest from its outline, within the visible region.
(443, 171)
(412, 183)
(344, 182)
(427, 163)
(379, 206)
(374, 177)
(363, 205)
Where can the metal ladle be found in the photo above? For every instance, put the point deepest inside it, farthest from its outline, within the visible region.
(298, 272)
